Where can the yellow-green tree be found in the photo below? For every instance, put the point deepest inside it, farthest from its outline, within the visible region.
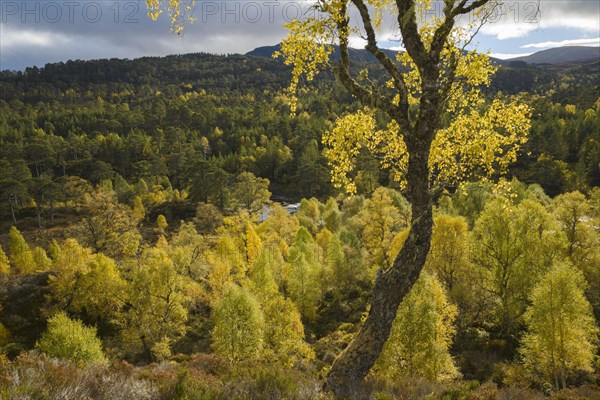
(562, 333)
(380, 221)
(41, 259)
(281, 223)
(571, 210)
(157, 301)
(331, 215)
(309, 215)
(20, 253)
(251, 192)
(436, 128)
(284, 332)
(238, 325)
(514, 246)
(101, 290)
(303, 274)
(109, 226)
(69, 268)
(72, 340)
(161, 224)
(241, 230)
(283, 329)
(261, 277)
(449, 255)
(139, 211)
(4, 263)
(188, 251)
(421, 335)
(575, 215)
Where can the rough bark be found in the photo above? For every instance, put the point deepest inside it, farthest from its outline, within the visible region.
(391, 286)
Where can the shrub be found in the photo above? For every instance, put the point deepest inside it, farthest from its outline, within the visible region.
(36, 376)
(71, 340)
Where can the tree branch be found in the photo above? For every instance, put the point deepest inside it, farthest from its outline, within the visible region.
(343, 72)
(461, 9)
(407, 21)
(387, 63)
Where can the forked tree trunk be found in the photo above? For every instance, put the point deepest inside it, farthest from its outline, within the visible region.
(353, 364)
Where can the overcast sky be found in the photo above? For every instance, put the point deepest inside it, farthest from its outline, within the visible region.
(36, 32)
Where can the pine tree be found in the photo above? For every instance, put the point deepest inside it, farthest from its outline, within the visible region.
(562, 333)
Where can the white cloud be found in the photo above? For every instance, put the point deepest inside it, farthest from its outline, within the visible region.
(517, 19)
(504, 31)
(31, 38)
(594, 42)
(506, 56)
(397, 48)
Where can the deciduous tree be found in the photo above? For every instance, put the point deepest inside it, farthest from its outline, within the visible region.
(238, 325)
(20, 253)
(421, 336)
(439, 128)
(251, 192)
(562, 333)
(70, 339)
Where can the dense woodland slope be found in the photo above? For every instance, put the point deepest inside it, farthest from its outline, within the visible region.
(130, 196)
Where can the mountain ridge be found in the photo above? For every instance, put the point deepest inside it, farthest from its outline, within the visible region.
(553, 56)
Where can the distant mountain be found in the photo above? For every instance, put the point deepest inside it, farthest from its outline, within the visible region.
(357, 55)
(556, 56)
(561, 55)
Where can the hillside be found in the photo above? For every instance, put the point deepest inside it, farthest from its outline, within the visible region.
(561, 55)
(146, 251)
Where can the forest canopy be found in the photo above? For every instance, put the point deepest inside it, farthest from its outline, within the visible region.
(167, 224)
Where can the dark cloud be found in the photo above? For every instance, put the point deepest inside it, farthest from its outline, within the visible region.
(41, 31)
